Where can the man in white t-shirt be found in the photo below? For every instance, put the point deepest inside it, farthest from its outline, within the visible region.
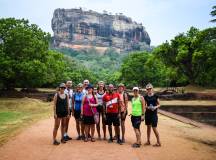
(85, 84)
(69, 92)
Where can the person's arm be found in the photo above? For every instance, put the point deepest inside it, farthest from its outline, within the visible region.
(83, 99)
(143, 105)
(158, 104)
(68, 105)
(119, 106)
(54, 106)
(126, 102)
(73, 104)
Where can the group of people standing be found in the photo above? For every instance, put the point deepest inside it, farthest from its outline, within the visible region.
(108, 105)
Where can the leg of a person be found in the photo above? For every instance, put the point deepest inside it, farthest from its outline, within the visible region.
(92, 130)
(63, 126)
(86, 130)
(104, 127)
(148, 133)
(138, 135)
(82, 128)
(157, 135)
(56, 126)
(123, 129)
(78, 126)
(98, 127)
(117, 131)
(67, 124)
(110, 131)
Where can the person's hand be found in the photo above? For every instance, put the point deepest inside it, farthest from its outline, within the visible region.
(91, 105)
(142, 118)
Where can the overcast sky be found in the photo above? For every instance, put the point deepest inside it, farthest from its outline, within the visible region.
(163, 19)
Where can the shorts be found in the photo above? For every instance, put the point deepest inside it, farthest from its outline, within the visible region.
(112, 118)
(62, 114)
(70, 112)
(136, 121)
(88, 120)
(100, 108)
(77, 114)
(151, 119)
(123, 117)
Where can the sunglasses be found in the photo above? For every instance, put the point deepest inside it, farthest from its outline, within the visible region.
(149, 89)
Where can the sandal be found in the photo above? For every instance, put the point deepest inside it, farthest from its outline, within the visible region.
(136, 145)
(157, 145)
(147, 144)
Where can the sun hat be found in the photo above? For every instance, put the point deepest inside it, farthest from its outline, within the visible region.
(90, 86)
(121, 85)
(135, 88)
(79, 85)
(149, 85)
(62, 85)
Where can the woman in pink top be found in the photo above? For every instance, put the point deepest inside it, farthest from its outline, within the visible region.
(89, 104)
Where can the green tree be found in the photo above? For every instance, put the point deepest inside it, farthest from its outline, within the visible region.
(213, 13)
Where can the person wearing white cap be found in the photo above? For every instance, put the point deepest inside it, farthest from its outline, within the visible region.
(85, 84)
(137, 115)
(151, 118)
(61, 112)
(69, 92)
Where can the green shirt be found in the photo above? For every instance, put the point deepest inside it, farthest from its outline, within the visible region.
(136, 106)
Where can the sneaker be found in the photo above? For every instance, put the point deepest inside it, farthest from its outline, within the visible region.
(110, 140)
(135, 145)
(55, 142)
(68, 138)
(119, 141)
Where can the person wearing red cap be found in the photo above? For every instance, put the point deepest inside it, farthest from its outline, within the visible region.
(113, 112)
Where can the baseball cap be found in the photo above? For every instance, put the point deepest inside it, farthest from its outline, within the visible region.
(135, 88)
(62, 85)
(90, 86)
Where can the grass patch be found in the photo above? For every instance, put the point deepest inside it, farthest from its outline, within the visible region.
(16, 114)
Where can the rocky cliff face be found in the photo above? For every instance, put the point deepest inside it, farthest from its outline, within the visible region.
(78, 29)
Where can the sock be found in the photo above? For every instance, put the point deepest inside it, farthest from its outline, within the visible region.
(65, 135)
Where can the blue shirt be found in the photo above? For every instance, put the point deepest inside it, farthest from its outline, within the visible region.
(78, 101)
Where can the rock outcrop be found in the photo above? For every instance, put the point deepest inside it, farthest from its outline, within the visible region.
(78, 29)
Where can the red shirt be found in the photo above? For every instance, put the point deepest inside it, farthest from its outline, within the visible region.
(112, 102)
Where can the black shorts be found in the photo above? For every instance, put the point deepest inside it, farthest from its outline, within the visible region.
(62, 114)
(123, 117)
(89, 120)
(112, 118)
(77, 114)
(100, 108)
(70, 112)
(151, 119)
(136, 121)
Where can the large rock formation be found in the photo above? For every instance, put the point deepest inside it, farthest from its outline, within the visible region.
(78, 29)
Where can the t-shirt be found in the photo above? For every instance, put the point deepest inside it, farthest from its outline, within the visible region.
(78, 100)
(69, 92)
(86, 108)
(151, 100)
(112, 102)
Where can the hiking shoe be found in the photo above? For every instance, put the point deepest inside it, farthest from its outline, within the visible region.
(55, 142)
(135, 145)
(67, 138)
(110, 140)
(119, 141)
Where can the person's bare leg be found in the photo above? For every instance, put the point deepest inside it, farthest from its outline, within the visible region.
(110, 131)
(138, 135)
(78, 127)
(157, 136)
(123, 130)
(98, 128)
(67, 124)
(82, 129)
(148, 135)
(92, 132)
(63, 127)
(55, 129)
(117, 131)
(87, 129)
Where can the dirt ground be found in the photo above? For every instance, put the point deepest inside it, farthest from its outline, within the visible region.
(179, 142)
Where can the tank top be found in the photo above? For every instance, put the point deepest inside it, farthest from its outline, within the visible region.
(136, 106)
(100, 98)
(61, 105)
(86, 108)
